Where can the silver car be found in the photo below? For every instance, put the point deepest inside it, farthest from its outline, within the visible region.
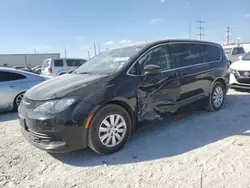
(13, 84)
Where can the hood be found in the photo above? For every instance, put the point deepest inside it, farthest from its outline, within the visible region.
(241, 65)
(62, 85)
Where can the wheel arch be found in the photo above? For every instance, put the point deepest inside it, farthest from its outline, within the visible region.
(124, 103)
(130, 109)
(221, 80)
(13, 102)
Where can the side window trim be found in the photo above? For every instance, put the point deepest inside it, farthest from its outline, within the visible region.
(204, 62)
(169, 43)
(142, 55)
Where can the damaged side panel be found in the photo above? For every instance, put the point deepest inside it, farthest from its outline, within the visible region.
(158, 95)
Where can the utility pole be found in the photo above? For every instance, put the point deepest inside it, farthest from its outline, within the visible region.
(228, 34)
(99, 46)
(89, 54)
(65, 52)
(201, 29)
(95, 49)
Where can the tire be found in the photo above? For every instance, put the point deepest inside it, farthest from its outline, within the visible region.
(17, 101)
(218, 91)
(96, 125)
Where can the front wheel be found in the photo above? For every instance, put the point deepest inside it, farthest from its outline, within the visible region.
(109, 129)
(217, 97)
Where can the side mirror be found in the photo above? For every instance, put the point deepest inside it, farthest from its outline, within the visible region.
(240, 57)
(152, 70)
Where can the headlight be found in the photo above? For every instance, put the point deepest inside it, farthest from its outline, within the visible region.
(55, 106)
(232, 71)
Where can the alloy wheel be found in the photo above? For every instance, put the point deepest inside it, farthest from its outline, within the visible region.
(218, 97)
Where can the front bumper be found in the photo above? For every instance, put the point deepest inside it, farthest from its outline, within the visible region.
(238, 82)
(58, 133)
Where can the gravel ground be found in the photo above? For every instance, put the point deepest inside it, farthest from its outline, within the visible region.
(191, 149)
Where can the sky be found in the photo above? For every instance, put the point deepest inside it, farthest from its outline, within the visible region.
(75, 25)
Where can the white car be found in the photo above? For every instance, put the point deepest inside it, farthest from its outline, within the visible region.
(13, 84)
(57, 67)
(240, 73)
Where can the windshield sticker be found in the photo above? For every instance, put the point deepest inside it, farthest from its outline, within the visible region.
(121, 59)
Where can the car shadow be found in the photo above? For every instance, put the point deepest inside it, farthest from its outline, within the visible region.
(8, 116)
(188, 130)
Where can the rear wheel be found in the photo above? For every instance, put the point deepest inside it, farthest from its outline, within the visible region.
(217, 97)
(109, 129)
(18, 100)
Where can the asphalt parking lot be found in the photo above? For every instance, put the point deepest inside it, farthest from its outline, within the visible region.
(192, 149)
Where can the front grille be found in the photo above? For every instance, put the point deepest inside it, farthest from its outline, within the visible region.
(243, 80)
(244, 73)
(39, 137)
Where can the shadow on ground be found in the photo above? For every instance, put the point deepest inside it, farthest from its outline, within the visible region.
(8, 116)
(189, 130)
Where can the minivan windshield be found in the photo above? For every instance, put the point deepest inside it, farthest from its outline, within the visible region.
(227, 51)
(108, 62)
(246, 57)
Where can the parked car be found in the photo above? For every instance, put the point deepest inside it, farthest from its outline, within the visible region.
(101, 103)
(240, 73)
(13, 84)
(57, 67)
(233, 53)
(37, 69)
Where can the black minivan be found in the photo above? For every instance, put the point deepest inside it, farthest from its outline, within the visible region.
(99, 104)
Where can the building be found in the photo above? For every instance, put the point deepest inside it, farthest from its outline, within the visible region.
(26, 60)
(245, 45)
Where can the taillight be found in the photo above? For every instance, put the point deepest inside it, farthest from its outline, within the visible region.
(50, 69)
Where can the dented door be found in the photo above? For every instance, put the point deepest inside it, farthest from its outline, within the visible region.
(157, 94)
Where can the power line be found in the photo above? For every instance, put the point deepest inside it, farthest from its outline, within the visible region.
(200, 28)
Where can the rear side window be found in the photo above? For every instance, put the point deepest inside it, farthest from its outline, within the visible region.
(9, 76)
(210, 52)
(237, 51)
(45, 64)
(241, 50)
(185, 54)
(58, 63)
(74, 63)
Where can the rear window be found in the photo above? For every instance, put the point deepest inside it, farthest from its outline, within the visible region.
(185, 54)
(9, 76)
(74, 63)
(210, 52)
(45, 63)
(58, 63)
(241, 50)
